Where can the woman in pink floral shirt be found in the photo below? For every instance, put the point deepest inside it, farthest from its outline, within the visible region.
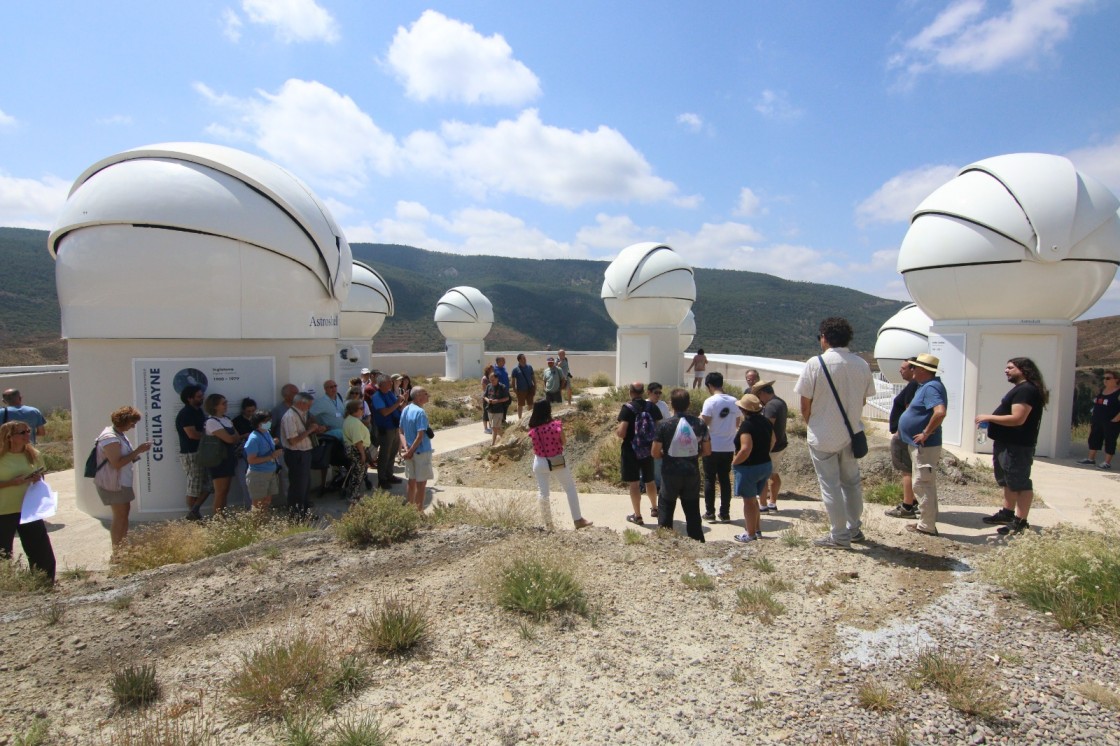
(547, 435)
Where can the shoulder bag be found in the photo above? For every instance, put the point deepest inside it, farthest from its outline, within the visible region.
(859, 440)
(211, 450)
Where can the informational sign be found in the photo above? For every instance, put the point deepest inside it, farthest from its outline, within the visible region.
(158, 479)
(950, 350)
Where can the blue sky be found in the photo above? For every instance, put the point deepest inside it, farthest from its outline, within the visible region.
(793, 138)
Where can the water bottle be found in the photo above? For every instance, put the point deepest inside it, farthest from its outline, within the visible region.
(982, 434)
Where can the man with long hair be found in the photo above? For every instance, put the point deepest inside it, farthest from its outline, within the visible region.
(1013, 429)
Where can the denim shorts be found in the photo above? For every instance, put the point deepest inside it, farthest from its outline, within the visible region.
(1012, 466)
(751, 480)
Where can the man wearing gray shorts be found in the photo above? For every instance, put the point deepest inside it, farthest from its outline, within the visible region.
(190, 423)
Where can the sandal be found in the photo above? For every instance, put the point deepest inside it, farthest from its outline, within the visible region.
(583, 523)
(635, 519)
(653, 512)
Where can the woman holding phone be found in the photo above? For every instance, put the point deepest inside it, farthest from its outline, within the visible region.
(115, 457)
(20, 467)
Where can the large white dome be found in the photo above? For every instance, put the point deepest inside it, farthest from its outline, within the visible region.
(1023, 236)
(368, 304)
(464, 313)
(648, 284)
(687, 330)
(902, 336)
(192, 240)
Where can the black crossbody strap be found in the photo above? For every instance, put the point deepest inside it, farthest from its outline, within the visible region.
(832, 386)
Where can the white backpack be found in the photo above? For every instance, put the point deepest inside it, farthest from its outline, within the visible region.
(684, 443)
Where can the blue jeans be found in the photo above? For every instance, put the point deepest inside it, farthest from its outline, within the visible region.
(841, 491)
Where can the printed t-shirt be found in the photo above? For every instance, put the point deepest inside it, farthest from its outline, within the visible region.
(723, 410)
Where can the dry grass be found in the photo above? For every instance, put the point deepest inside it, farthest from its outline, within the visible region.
(179, 724)
(536, 578)
(396, 626)
(875, 697)
(175, 542)
(969, 687)
(1100, 694)
(486, 510)
(698, 581)
(1071, 572)
(377, 519)
(15, 577)
(760, 602)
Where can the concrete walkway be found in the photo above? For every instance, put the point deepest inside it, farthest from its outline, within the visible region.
(1066, 488)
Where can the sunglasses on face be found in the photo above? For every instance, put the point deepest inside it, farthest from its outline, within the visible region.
(21, 432)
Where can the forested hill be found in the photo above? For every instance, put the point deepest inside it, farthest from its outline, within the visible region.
(537, 303)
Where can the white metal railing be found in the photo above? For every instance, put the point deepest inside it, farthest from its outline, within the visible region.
(879, 406)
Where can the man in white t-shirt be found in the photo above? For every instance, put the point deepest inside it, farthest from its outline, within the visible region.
(830, 445)
(721, 414)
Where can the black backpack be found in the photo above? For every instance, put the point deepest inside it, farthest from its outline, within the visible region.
(92, 467)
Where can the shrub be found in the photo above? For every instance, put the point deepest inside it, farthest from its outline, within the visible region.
(17, 578)
(290, 675)
(135, 686)
(156, 545)
(440, 417)
(1070, 572)
(885, 493)
(377, 519)
(538, 585)
(398, 625)
(54, 613)
(605, 464)
(489, 511)
(585, 405)
(698, 581)
(600, 379)
(969, 688)
(762, 564)
(874, 696)
(632, 536)
(37, 735)
(362, 731)
(581, 431)
(1099, 693)
(760, 602)
(165, 726)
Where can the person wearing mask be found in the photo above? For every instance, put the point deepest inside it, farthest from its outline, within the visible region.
(114, 479)
(547, 436)
(262, 481)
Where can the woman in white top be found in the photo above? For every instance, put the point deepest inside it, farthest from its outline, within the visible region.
(115, 457)
(221, 427)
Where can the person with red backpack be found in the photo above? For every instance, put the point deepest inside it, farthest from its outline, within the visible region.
(638, 429)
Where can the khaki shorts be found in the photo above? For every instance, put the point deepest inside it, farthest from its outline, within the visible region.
(497, 420)
(776, 459)
(262, 484)
(419, 467)
(525, 397)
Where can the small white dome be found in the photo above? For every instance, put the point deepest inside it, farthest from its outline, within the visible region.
(1023, 236)
(902, 336)
(687, 330)
(648, 284)
(464, 313)
(365, 308)
(192, 240)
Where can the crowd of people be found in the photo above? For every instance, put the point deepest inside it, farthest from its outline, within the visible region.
(735, 444)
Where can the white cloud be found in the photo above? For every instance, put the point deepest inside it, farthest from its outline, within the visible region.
(691, 122)
(1102, 162)
(963, 39)
(894, 202)
(231, 25)
(6, 120)
(291, 20)
(320, 134)
(748, 204)
(441, 59)
(613, 233)
(534, 160)
(776, 105)
(31, 203)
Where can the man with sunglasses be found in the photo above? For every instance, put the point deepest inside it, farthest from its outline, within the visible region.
(14, 410)
(1104, 425)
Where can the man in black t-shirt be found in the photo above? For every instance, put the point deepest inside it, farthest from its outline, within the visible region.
(190, 424)
(1013, 429)
(633, 468)
(680, 474)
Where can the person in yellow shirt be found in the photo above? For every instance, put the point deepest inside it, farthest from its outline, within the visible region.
(20, 467)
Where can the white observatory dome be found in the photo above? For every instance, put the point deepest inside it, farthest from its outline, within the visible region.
(687, 330)
(1023, 236)
(464, 313)
(649, 284)
(365, 308)
(902, 336)
(193, 240)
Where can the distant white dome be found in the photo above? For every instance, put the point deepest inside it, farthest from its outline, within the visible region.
(464, 313)
(648, 284)
(365, 308)
(193, 240)
(1023, 236)
(687, 330)
(902, 336)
